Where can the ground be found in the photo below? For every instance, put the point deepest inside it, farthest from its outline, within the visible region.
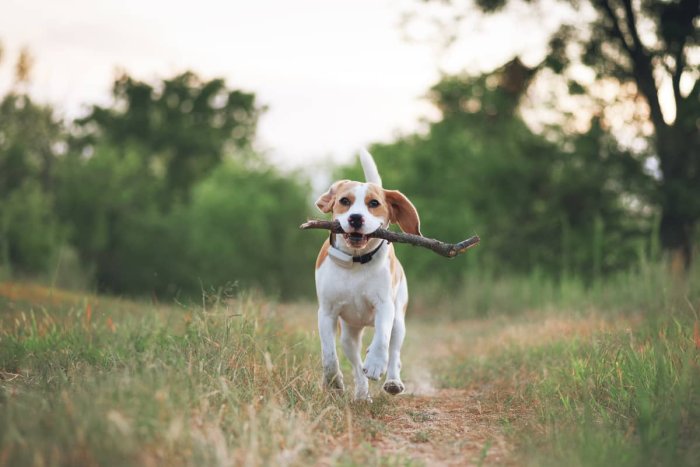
(93, 380)
(438, 426)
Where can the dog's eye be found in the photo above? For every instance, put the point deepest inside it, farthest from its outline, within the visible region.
(373, 204)
(345, 202)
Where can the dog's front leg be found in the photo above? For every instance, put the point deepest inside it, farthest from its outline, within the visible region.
(378, 354)
(327, 324)
(351, 338)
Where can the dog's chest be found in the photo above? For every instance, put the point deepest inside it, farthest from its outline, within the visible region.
(353, 293)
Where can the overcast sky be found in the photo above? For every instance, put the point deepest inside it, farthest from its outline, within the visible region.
(336, 74)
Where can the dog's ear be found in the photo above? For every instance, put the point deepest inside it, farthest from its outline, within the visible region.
(326, 201)
(402, 212)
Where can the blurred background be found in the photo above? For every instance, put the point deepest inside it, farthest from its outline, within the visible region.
(162, 149)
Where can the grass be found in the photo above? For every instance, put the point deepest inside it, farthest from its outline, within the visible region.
(644, 288)
(124, 383)
(597, 377)
(623, 397)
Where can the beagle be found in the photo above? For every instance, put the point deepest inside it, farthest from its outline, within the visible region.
(360, 282)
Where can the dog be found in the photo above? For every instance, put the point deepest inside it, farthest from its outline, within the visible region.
(360, 282)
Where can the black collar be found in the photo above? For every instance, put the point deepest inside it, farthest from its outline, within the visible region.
(366, 258)
(363, 259)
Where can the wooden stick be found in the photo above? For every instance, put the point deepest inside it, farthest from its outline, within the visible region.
(449, 250)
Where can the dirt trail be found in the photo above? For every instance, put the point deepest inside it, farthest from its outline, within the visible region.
(449, 427)
(441, 427)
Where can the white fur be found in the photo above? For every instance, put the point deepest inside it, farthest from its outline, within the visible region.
(362, 296)
(369, 168)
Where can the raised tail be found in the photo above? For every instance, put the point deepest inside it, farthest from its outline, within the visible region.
(370, 168)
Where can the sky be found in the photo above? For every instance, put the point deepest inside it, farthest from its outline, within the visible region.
(336, 75)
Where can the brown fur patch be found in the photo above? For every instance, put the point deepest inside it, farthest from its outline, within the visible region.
(377, 192)
(395, 268)
(344, 191)
(326, 201)
(323, 254)
(402, 212)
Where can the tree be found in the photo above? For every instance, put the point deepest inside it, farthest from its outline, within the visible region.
(553, 206)
(185, 125)
(31, 139)
(645, 43)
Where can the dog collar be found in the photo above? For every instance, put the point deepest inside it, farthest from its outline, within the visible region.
(343, 259)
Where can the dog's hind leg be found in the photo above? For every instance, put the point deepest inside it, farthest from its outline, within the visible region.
(351, 340)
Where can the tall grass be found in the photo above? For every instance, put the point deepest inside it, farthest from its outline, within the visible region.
(645, 288)
(119, 383)
(625, 397)
(629, 399)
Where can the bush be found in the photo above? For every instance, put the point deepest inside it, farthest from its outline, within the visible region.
(243, 227)
(29, 232)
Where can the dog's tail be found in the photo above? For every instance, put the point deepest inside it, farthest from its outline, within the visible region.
(369, 167)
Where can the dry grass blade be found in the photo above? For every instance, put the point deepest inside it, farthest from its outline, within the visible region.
(448, 250)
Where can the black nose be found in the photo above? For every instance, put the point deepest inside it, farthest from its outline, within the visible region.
(356, 221)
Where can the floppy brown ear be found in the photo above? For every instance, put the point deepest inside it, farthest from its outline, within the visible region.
(402, 212)
(325, 202)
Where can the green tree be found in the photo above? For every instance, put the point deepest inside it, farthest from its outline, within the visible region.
(186, 125)
(126, 183)
(31, 139)
(645, 43)
(242, 227)
(537, 204)
(109, 201)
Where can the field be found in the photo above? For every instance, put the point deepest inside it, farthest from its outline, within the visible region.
(235, 380)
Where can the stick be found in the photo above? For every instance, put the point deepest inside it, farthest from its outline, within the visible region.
(449, 250)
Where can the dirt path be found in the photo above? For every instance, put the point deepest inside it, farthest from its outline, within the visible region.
(448, 427)
(442, 427)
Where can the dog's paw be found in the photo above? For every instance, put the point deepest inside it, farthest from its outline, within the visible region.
(362, 396)
(374, 367)
(394, 386)
(334, 381)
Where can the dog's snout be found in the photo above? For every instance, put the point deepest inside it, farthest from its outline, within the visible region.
(356, 221)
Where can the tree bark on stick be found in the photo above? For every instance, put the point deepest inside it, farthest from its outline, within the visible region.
(448, 250)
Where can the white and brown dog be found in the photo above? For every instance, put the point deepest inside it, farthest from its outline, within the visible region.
(360, 281)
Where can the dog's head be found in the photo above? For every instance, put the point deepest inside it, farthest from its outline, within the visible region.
(361, 208)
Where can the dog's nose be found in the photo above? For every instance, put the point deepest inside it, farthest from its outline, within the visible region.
(356, 221)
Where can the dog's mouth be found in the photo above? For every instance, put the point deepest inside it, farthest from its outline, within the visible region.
(356, 240)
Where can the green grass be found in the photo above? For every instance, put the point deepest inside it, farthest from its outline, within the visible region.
(644, 288)
(121, 383)
(90, 380)
(622, 398)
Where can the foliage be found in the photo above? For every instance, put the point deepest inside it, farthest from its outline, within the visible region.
(643, 44)
(573, 207)
(115, 222)
(158, 193)
(185, 125)
(30, 143)
(241, 227)
(238, 228)
(29, 232)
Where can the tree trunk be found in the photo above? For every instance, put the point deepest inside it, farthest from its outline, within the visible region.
(679, 195)
(677, 239)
